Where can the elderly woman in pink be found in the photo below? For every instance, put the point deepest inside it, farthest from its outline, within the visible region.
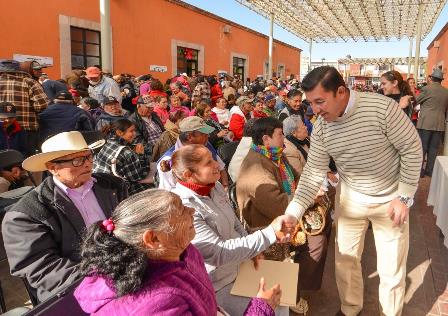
(141, 262)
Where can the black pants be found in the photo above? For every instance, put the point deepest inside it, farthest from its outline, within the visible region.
(32, 143)
(431, 141)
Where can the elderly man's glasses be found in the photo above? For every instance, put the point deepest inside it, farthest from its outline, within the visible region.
(76, 162)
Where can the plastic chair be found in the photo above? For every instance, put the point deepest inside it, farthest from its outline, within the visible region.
(227, 151)
(62, 303)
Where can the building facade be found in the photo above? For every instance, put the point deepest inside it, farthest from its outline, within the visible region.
(438, 53)
(161, 37)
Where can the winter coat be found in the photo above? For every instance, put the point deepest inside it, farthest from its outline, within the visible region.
(169, 289)
(48, 227)
(63, 117)
(237, 122)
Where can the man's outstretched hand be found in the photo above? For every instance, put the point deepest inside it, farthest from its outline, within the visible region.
(284, 226)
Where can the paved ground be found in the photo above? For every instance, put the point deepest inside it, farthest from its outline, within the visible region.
(426, 290)
(427, 269)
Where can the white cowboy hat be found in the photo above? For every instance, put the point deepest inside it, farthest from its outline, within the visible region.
(59, 146)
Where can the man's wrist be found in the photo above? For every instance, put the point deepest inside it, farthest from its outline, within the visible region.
(406, 200)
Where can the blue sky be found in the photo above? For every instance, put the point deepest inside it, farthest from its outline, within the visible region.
(233, 11)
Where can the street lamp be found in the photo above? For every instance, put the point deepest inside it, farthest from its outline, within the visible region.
(323, 59)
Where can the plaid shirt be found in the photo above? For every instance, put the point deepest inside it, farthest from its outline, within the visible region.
(131, 166)
(201, 92)
(26, 94)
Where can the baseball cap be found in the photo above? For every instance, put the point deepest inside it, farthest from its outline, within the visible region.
(93, 72)
(7, 109)
(110, 100)
(36, 66)
(195, 123)
(243, 99)
(146, 100)
(269, 97)
(64, 96)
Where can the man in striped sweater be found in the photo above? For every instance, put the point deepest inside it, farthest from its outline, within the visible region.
(378, 155)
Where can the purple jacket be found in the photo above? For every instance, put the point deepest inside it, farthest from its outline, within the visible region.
(170, 289)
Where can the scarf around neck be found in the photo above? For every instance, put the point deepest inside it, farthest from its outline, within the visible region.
(275, 154)
(203, 190)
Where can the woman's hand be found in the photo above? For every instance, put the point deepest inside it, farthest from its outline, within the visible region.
(139, 149)
(271, 296)
(405, 101)
(282, 232)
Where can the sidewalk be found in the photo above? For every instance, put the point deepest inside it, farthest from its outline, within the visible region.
(427, 269)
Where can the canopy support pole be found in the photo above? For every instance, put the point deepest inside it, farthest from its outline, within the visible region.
(311, 50)
(418, 40)
(411, 43)
(271, 40)
(106, 39)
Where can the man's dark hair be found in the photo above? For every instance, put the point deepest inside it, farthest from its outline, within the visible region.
(328, 77)
(435, 79)
(264, 126)
(293, 93)
(247, 131)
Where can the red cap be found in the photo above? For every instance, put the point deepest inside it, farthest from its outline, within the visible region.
(93, 72)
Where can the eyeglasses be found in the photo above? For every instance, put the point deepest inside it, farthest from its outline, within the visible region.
(76, 162)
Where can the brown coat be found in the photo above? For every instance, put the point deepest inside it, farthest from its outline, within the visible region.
(166, 140)
(259, 190)
(294, 156)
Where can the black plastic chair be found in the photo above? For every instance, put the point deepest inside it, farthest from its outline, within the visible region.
(62, 303)
(32, 292)
(227, 151)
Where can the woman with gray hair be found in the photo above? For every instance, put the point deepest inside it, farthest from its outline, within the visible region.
(297, 143)
(141, 262)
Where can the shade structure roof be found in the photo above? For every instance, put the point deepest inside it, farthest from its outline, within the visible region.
(381, 61)
(344, 20)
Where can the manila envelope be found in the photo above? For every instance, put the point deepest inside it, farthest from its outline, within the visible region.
(283, 273)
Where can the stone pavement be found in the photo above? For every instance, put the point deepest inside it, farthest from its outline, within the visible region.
(427, 269)
(426, 286)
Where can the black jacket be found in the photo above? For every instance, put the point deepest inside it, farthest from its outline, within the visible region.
(63, 117)
(42, 233)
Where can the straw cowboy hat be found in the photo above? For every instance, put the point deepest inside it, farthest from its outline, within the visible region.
(59, 146)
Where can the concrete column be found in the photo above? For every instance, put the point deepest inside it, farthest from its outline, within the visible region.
(411, 42)
(418, 40)
(311, 50)
(271, 44)
(106, 38)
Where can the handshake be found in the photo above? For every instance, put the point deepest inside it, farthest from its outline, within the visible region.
(284, 227)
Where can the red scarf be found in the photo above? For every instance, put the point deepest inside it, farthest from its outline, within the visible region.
(200, 189)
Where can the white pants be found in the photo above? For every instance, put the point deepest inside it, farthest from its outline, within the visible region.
(392, 244)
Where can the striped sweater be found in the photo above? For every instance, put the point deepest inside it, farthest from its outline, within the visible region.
(377, 152)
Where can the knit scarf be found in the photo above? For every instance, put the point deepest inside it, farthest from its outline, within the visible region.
(276, 155)
(200, 189)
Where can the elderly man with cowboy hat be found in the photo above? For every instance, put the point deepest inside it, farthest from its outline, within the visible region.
(433, 100)
(43, 230)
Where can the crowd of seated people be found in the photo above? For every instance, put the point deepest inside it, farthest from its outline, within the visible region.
(168, 244)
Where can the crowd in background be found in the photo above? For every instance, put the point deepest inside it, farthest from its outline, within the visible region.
(231, 151)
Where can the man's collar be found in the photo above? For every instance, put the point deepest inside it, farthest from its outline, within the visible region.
(86, 186)
(351, 101)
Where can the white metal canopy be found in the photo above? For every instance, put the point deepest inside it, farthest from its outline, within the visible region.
(343, 20)
(381, 61)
